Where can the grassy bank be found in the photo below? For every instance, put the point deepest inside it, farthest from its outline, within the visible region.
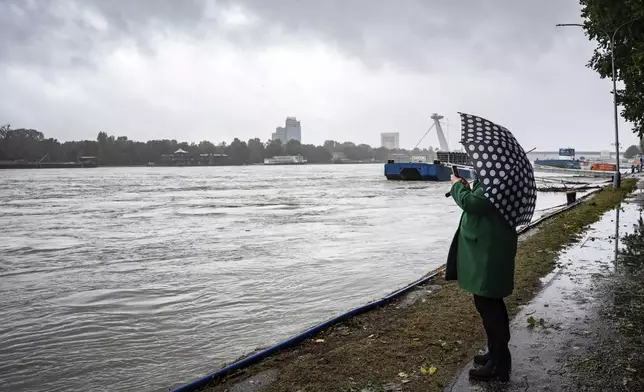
(419, 344)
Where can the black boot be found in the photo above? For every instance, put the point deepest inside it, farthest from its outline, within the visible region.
(492, 370)
(483, 360)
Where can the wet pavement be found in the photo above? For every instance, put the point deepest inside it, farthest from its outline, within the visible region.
(564, 338)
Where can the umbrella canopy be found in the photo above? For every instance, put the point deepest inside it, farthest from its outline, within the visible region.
(502, 167)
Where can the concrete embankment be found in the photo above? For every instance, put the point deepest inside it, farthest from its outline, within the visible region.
(420, 341)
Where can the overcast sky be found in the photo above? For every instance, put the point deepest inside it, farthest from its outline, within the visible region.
(348, 69)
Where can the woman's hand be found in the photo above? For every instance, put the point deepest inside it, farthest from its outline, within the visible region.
(455, 179)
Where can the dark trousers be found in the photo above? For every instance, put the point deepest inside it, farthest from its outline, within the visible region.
(496, 324)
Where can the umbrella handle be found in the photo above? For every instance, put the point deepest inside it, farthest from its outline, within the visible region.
(448, 194)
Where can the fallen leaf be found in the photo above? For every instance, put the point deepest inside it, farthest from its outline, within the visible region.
(402, 375)
(432, 370)
(319, 341)
(423, 370)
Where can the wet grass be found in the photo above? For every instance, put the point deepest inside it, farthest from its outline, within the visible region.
(420, 347)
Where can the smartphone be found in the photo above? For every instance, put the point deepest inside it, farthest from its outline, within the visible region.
(455, 171)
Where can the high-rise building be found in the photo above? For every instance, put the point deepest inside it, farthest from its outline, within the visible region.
(291, 131)
(280, 133)
(390, 140)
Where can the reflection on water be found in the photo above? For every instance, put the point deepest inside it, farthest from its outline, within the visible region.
(144, 278)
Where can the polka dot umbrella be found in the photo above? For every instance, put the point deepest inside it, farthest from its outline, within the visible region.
(502, 167)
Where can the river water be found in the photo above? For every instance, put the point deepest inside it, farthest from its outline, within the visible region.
(127, 279)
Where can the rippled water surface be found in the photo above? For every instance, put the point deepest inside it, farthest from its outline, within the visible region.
(146, 278)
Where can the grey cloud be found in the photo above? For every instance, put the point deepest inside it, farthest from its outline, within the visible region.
(502, 58)
(417, 32)
(60, 33)
(412, 33)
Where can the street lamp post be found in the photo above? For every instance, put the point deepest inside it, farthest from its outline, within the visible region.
(611, 39)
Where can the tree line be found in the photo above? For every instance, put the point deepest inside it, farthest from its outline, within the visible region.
(632, 152)
(622, 20)
(31, 145)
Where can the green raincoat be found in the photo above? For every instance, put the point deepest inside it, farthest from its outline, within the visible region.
(484, 247)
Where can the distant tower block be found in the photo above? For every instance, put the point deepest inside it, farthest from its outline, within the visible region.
(439, 131)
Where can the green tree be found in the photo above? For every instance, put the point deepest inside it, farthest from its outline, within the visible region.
(274, 148)
(101, 138)
(331, 145)
(624, 19)
(631, 152)
(316, 154)
(206, 147)
(380, 154)
(293, 147)
(257, 150)
(21, 143)
(4, 129)
(238, 152)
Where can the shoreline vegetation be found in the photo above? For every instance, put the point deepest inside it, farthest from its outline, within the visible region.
(32, 146)
(420, 341)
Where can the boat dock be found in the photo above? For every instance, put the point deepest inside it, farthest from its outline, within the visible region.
(574, 172)
(82, 162)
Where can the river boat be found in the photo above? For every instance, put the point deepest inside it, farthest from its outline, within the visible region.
(285, 160)
(436, 166)
(566, 160)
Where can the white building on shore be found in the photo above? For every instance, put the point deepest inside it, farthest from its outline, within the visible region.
(285, 160)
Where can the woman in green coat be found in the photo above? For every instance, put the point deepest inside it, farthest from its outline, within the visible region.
(481, 257)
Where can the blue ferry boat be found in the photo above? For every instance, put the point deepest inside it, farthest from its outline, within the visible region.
(566, 160)
(422, 171)
(409, 168)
